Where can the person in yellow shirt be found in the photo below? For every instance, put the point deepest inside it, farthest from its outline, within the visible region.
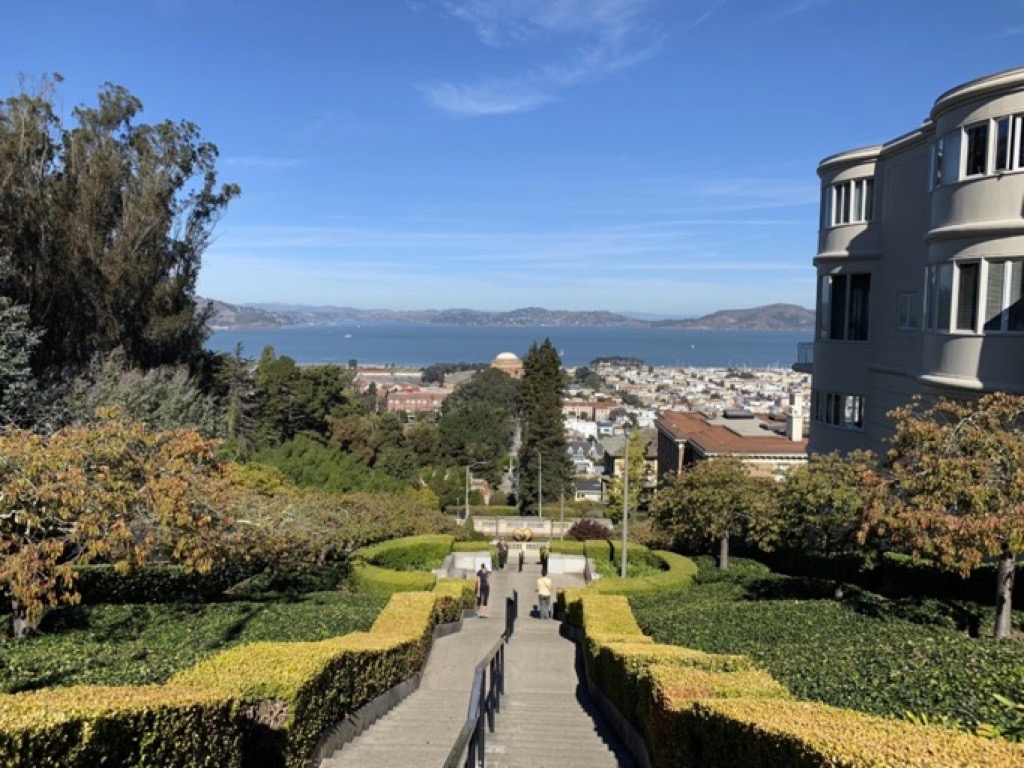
(544, 597)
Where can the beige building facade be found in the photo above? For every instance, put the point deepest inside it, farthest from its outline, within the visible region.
(920, 266)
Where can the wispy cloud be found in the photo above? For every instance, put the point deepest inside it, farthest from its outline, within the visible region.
(601, 37)
(801, 6)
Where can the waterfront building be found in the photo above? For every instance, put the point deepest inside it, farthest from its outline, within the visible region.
(920, 266)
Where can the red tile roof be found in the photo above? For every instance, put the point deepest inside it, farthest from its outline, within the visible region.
(717, 439)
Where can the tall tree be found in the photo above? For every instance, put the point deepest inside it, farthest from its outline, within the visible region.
(712, 501)
(478, 421)
(544, 465)
(103, 225)
(955, 488)
(17, 385)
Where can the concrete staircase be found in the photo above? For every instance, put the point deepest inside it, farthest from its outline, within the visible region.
(546, 719)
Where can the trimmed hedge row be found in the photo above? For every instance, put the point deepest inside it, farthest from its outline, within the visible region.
(678, 574)
(568, 547)
(372, 580)
(895, 575)
(718, 711)
(86, 726)
(412, 553)
(263, 705)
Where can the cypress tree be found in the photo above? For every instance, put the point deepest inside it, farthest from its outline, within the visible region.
(543, 429)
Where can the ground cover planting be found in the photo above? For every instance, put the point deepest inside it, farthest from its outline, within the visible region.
(143, 644)
(860, 653)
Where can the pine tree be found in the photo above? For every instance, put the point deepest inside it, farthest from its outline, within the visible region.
(543, 444)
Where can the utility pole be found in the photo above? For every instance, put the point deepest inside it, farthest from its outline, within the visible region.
(625, 500)
(561, 517)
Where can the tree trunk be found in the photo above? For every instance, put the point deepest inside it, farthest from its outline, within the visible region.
(22, 626)
(723, 552)
(1004, 593)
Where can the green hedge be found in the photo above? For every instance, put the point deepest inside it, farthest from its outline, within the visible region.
(699, 709)
(292, 692)
(87, 726)
(412, 553)
(569, 547)
(156, 583)
(476, 546)
(371, 580)
(678, 574)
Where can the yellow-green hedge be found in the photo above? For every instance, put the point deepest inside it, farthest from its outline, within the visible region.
(373, 580)
(457, 595)
(87, 726)
(292, 692)
(801, 734)
(406, 554)
(569, 547)
(679, 574)
(700, 710)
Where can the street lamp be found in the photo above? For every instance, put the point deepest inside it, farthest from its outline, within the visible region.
(625, 498)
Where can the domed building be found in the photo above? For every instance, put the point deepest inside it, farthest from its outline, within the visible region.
(508, 363)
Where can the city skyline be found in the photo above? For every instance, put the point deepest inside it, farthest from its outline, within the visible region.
(623, 155)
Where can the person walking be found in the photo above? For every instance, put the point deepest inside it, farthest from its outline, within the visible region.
(483, 590)
(502, 553)
(544, 596)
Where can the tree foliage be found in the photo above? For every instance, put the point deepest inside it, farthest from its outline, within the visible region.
(954, 487)
(637, 473)
(114, 492)
(103, 224)
(712, 501)
(18, 390)
(543, 430)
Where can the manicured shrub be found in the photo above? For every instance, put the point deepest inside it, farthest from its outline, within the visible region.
(569, 547)
(292, 692)
(156, 583)
(83, 727)
(412, 553)
(145, 644)
(721, 733)
(460, 594)
(846, 653)
(599, 549)
(585, 529)
(371, 580)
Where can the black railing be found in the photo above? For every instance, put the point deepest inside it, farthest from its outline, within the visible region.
(484, 704)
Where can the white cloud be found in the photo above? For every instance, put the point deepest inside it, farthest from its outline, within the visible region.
(601, 37)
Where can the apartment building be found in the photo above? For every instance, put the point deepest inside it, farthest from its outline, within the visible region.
(919, 265)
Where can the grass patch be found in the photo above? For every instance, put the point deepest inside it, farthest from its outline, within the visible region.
(861, 653)
(142, 644)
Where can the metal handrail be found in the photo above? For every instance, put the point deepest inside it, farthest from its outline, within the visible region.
(485, 699)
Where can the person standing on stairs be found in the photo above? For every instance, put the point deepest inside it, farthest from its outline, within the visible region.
(544, 596)
(502, 553)
(483, 590)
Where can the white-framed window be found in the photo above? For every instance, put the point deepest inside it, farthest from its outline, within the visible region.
(848, 202)
(837, 409)
(988, 147)
(843, 304)
(976, 296)
(908, 311)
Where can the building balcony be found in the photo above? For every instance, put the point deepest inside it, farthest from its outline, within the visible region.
(804, 357)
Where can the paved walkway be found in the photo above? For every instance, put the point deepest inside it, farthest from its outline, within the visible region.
(546, 718)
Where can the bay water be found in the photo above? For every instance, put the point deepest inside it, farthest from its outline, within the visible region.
(406, 344)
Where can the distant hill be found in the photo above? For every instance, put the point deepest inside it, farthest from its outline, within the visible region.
(775, 317)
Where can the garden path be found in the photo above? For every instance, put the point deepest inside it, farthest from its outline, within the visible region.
(546, 719)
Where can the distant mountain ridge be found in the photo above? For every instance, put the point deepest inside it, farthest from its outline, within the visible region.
(773, 317)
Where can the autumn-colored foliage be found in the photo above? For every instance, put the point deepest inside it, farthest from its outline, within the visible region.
(954, 487)
(114, 492)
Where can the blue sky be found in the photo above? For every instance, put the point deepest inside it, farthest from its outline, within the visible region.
(630, 155)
